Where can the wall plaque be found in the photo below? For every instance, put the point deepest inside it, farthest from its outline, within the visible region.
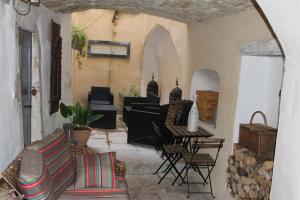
(98, 48)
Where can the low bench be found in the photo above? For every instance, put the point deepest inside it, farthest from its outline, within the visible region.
(109, 118)
(10, 176)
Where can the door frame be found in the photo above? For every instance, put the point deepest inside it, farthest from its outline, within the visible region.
(37, 124)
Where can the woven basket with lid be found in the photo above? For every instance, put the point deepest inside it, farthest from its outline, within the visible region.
(257, 137)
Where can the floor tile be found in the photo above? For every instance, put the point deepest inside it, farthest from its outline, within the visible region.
(118, 140)
(117, 134)
(98, 137)
(142, 148)
(121, 147)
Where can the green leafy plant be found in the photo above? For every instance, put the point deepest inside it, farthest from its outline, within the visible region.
(79, 43)
(80, 116)
(133, 91)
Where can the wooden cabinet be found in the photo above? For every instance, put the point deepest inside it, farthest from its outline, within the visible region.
(207, 102)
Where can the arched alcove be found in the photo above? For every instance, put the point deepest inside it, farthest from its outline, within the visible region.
(205, 79)
(206, 84)
(160, 58)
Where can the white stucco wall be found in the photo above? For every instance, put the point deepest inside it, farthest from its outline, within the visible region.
(10, 124)
(215, 44)
(284, 18)
(39, 22)
(259, 87)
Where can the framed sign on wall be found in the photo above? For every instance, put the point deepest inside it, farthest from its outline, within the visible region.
(98, 48)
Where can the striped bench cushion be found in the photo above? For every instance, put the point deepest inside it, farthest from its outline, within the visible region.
(34, 181)
(96, 171)
(57, 155)
(119, 193)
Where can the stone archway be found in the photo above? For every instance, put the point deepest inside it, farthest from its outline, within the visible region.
(160, 58)
(283, 17)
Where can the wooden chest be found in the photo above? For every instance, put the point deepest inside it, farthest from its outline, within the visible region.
(207, 102)
(259, 138)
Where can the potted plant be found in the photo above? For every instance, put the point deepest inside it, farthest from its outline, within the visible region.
(79, 43)
(133, 92)
(81, 117)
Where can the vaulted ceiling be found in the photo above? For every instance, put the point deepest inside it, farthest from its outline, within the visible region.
(180, 10)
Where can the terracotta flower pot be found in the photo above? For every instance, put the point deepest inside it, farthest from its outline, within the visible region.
(82, 136)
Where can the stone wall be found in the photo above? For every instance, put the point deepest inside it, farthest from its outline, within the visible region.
(249, 175)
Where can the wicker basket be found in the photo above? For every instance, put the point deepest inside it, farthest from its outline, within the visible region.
(259, 138)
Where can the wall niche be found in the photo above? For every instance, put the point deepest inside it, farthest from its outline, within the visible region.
(206, 87)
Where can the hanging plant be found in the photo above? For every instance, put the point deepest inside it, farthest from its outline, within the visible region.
(79, 43)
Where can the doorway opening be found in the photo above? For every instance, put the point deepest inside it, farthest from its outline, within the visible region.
(160, 58)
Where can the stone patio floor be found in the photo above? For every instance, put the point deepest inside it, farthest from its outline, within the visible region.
(141, 161)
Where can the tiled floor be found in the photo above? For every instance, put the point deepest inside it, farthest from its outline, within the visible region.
(141, 162)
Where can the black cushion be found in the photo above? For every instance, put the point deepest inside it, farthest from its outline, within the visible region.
(97, 107)
(127, 101)
(145, 106)
(100, 93)
(101, 102)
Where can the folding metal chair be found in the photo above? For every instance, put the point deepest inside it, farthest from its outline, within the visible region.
(171, 152)
(200, 161)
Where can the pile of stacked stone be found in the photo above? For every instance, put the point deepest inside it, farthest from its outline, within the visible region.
(249, 174)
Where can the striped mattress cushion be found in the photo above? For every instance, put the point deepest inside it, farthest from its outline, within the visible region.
(57, 155)
(96, 171)
(119, 193)
(34, 180)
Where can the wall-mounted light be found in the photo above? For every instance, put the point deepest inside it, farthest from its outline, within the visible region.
(22, 7)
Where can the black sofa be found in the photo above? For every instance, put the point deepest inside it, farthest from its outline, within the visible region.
(100, 96)
(140, 118)
(141, 115)
(138, 103)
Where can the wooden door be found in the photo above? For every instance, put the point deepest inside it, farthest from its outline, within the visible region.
(25, 56)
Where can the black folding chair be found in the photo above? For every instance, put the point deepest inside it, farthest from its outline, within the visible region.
(200, 161)
(172, 153)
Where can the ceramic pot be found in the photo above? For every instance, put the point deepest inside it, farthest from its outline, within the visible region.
(82, 136)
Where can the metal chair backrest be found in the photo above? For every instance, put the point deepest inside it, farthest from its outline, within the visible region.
(158, 136)
(171, 116)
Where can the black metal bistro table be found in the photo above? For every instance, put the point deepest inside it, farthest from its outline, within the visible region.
(181, 135)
